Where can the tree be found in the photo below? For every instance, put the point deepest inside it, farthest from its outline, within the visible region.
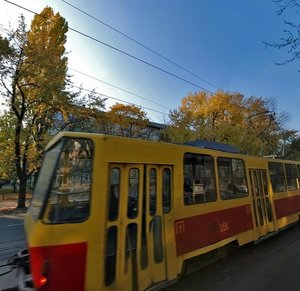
(7, 166)
(291, 31)
(292, 150)
(85, 114)
(127, 120)
(251, 124)
(34, 83)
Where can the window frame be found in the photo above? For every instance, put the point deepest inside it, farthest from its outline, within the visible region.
(288, 170)
(275, 178)
(232, 185)
(195, 190)
(44, 216)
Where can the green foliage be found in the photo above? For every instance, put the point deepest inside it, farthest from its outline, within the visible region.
(7, 163)
(33, 81)
(292, 147)
(5, 49)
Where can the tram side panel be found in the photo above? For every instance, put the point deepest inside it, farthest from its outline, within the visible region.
(193, 233)
(204, 200)
(284, 177)
(214, 204)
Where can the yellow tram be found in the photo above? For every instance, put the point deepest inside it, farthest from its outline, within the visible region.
(111, 213)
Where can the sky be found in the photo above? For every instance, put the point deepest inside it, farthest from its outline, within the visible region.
(218, 43)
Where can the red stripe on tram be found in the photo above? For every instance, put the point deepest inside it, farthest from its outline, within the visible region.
(59, 267)
(192, 233)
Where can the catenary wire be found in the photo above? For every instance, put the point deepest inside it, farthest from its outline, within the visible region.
(139, 43)
(112, 85)
(119, 88)
(118, 50)
(117, 99)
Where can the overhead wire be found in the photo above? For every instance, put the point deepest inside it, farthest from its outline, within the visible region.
(119, 88)
(118, 99)
(117, 50)
(112, 85)
(139, 43)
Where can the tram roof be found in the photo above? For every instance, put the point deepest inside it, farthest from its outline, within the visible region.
(205, 144)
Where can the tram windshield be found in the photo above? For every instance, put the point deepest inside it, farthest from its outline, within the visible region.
(64, 183)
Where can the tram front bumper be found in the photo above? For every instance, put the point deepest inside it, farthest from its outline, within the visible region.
(25, 282)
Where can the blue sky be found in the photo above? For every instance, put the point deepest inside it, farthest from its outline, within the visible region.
(219, 41)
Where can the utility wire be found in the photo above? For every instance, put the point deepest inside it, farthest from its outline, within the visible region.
(117, 99)
(117, 49)
(112, 85)
(119, 88)
(139, 43)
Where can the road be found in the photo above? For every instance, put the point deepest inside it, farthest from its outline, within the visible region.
(12, 239)
(272, 265)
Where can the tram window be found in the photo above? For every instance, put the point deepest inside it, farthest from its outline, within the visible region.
(232, 178)
(111, 255)
(131, 238)
(50, 161)
(277, 177)
(157, 239)
(291, 176)
(133, 193)
(152, 191)
(114, 193)
(199, 179)
(166, 189)
(69, 198)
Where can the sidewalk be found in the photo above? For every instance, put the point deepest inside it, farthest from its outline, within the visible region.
(9, 207)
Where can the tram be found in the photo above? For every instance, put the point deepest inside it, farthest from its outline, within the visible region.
(112, 213)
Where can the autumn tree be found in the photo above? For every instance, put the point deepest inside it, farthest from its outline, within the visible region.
(7, 165)
(85, 113)
(292, 149)
(127, 120)
(34, 83)
(250, 124)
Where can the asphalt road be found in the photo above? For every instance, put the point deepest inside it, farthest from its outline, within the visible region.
(12, 239)
(272, 265)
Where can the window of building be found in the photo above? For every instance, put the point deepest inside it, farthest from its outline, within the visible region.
(199, 179)
(232, 178)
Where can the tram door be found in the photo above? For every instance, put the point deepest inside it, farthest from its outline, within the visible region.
(262, 204)
(139, 199)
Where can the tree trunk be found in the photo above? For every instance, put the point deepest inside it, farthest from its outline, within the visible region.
(22, 194)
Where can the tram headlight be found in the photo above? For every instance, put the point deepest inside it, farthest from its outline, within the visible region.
(43, 279)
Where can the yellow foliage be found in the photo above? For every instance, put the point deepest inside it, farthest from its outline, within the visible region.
(226, 117)
(127, 120)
